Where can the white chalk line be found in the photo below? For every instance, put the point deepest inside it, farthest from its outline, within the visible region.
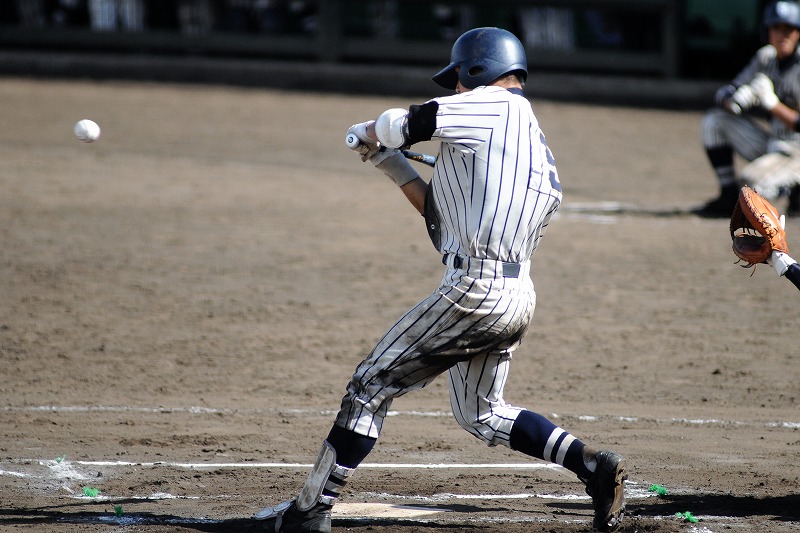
(392, 466)
(782, 424)
(14, 474)
(65, 469)
(69, 470)
(128, 520)
(633, 491)
(62, 468)
(448, 496)
(193, 410)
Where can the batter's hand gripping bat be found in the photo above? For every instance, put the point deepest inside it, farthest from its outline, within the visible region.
(352, 141)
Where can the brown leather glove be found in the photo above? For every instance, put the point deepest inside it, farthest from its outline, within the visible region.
(756, 228)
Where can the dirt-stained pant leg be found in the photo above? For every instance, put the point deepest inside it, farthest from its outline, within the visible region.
(475, 324)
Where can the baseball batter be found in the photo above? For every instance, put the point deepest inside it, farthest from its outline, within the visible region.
(767, 88)
(494, 190)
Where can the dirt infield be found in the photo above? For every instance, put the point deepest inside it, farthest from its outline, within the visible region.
(184, 300)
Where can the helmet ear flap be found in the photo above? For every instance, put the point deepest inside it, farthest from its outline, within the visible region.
(473, 75)
(447, 77)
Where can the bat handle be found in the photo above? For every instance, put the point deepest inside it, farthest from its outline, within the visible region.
(360, 133)
(352, 141)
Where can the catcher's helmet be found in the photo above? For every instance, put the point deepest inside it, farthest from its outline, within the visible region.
(483, 55)
(782, 12)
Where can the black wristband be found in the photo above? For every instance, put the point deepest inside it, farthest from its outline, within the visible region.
(422, 122)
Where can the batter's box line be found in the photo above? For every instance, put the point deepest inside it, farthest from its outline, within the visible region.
(61, 469)
(299, 466)
(194, 410)
(633, 491)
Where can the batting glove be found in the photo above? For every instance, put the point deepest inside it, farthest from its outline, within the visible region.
(390, 161)
(367, 146)
(743, 99)
(394, 164)
(723, 95)
(765, 91)
(367, 151)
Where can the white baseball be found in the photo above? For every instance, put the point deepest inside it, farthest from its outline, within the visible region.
(87, 130)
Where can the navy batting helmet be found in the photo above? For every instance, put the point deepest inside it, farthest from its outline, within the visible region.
(782, 12)
(483, 55)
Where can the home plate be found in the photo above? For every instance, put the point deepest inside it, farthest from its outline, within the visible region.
(382, 510)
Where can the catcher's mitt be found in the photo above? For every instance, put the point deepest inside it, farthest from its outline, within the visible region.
(756, 228)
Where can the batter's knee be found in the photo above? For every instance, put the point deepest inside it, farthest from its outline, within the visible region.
(492, 430)
(475, 428)
(713, 127)
(362, 413)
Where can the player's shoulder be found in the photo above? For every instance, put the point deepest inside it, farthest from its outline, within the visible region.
(466, 96)
(766, 53)
(482, 94)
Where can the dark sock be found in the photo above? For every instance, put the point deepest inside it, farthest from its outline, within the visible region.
(531, 434)
(721, 159)
(351, 448)
(729, 191)
(794, 199)
(721, 156)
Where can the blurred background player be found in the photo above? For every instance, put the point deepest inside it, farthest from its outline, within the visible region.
(757, 118)
(113, 15)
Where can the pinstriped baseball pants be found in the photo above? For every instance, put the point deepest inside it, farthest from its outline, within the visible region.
(742, 133)
(468, 327)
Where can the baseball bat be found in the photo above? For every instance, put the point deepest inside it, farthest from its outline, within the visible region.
(366, 131)
(352, 141)
(425, 159)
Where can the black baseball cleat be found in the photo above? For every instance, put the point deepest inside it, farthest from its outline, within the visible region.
(607, 489)
(793, 209)
(720, 207)
(287, 518)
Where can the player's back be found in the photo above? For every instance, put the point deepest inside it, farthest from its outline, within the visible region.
(495, 183)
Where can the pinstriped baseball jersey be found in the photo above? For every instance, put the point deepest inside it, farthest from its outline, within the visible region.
(494, 189)
(495, 183)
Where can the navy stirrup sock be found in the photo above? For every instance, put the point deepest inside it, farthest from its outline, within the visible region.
(351, 448)
(534, 435)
